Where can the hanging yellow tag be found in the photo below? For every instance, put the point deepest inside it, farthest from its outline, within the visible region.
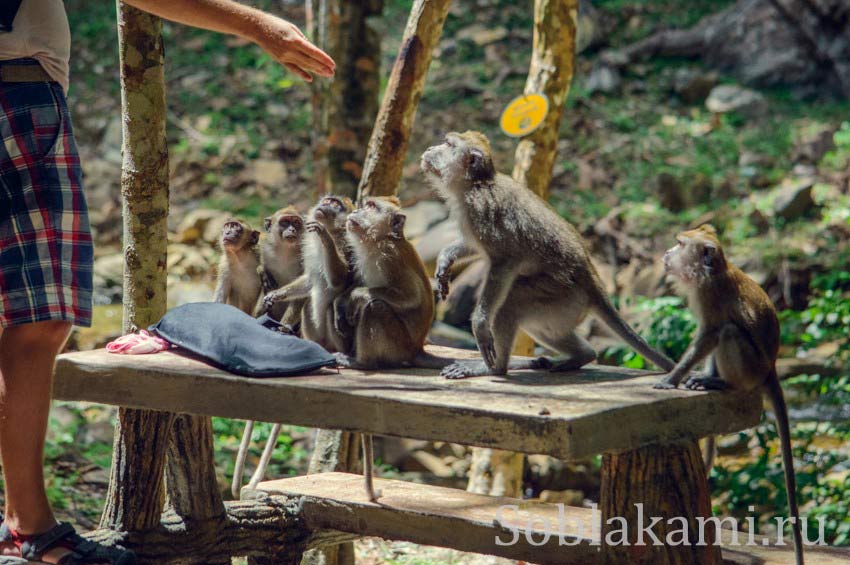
(524, 114)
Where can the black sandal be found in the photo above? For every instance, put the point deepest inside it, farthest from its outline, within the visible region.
(83, 551)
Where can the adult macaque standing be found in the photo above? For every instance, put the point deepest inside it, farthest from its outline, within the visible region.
(238, 281)
(738, 332)
(540, 277)
(280, 254)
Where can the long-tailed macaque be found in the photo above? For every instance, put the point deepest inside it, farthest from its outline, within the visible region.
(540, 277)
(238, 280)
(280, 254)
(738, 332)
(327, 272)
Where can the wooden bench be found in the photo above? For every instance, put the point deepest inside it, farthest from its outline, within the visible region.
(647, 438)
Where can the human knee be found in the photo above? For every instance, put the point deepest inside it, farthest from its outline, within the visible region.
(46, 337)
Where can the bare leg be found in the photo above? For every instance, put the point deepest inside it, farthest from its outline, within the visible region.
(27, 356)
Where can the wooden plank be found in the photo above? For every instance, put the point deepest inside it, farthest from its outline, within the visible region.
(567, 415)
(440, 516)
(445, 517)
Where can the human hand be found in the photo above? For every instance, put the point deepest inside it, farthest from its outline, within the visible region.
(285, 42)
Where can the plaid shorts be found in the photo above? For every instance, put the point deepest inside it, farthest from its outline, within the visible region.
(45, 241)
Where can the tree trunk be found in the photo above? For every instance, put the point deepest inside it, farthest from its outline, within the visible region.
(550, 72)
(670, 482)
(344, 109)
(193, 491)
(135, 496)
(388, 145)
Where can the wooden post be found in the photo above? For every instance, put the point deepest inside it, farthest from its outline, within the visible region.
(344, 108)
(135, 496)
(670, 482)
(388, 146)
(550, 72)
(334, 451)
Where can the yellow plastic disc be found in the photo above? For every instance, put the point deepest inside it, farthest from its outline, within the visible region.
(524, 114)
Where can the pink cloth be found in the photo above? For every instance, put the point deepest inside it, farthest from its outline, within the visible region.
(138, 344)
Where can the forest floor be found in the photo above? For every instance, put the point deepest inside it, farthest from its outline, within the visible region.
(644, 153)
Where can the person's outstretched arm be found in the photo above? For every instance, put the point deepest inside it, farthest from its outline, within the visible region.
(281, 39)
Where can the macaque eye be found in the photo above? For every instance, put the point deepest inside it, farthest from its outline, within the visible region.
(370, 204)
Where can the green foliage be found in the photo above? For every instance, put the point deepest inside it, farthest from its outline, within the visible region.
(839, 157)
(826, 318)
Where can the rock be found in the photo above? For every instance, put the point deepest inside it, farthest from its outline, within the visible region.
(814, 145)
(422, 216)
(603, 78)
(670, 192)
(202, 224)
(450, 336)
(109, 269)
(759, 221)
(110, 144)
(433, 464)
(186, 261)
(568, 497)
(794, 201)
(753, 159)
(96, 432)
(727, 98)
(481, 35)
(436, 239)
(693, 85)
(270, 173)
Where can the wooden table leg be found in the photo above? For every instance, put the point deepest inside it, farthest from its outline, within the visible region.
(670, 483)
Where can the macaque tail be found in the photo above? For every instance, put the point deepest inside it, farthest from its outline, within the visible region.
(780, 410)
(608, 314)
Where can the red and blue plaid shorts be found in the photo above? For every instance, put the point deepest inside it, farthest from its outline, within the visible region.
(45, 241)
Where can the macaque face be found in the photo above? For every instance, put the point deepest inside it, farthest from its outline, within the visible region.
(463, 157)
(237, 234)
(377, 219)
(290, 228)
(331, 211)
(696, 255)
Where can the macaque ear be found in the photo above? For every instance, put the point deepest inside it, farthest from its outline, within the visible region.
(255, 237)
(478, 167)
(397, 227)
(267, 224)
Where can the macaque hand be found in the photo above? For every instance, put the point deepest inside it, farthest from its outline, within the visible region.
(318, 229)
(442, 276)
(666, 383)
(273, 298)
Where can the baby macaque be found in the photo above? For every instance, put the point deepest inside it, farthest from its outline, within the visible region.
(238, 282)
(327, 272)
(738, 332)
(540, 277)
(280, 253)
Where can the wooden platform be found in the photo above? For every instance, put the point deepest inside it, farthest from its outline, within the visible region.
(454, 518)
(566, 415)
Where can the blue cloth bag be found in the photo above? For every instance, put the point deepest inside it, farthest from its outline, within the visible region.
(232, 340)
